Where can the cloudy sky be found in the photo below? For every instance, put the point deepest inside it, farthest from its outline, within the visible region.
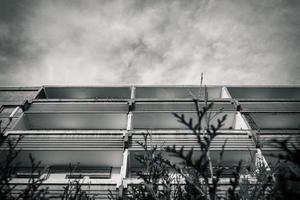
(80, 42)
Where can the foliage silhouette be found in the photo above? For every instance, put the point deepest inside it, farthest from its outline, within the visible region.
(199, 179)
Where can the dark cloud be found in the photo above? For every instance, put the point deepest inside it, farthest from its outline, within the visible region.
(79, 42)
(11, 41)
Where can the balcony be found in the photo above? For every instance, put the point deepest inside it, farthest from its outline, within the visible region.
(64, 147)
(74, 116)
(238, 147)
(270, 126)
(61, 133)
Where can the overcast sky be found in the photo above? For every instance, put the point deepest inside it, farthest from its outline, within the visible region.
(90, 42)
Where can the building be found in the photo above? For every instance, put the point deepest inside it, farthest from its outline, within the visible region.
(98, 126)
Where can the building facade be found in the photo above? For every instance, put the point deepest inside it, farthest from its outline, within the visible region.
(97, 127)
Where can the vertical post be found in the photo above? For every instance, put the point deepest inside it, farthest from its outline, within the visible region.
(225, 93)
(129, 121)
(123, 171)
(13, 113)
(240, 122)
(41, 89)
(124, 165)
(132, 95)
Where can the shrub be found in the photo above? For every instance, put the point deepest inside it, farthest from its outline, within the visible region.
(199, 179)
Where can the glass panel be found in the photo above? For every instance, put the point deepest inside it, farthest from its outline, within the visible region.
(175, 92)
(16, 95)
(276, 120)
(166, 120)
(179, 106)
(91, 172)
(271, 106)
(86, 93)
(264, 93)
(78, 106)
(26, 172)
(69, 121)
(230, 158)
(92, 150)
(65, 157)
